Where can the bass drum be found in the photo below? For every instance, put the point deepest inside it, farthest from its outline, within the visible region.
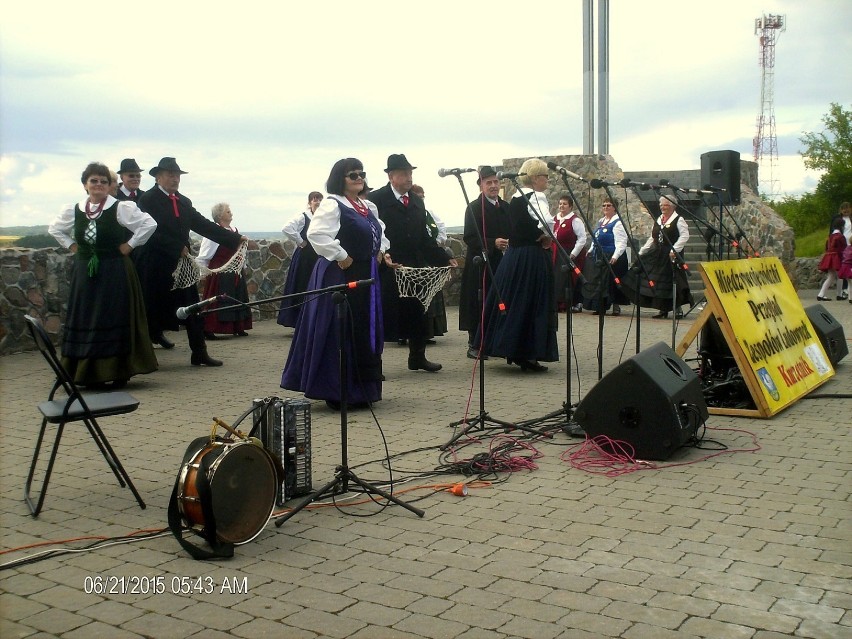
(243, 485)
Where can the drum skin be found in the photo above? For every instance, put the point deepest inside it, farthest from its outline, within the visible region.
(243, 485)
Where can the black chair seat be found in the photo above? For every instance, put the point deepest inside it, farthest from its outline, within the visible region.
(100, 405)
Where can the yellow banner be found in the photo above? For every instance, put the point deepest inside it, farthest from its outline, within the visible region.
(773, 331)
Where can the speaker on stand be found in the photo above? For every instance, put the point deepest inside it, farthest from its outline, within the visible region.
(721, 169)
(653, 401)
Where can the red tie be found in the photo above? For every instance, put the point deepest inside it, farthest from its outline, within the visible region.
(173, 198)
(133, 195)
(404, 199)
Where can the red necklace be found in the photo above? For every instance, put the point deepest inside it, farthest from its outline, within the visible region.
(94, 214)
(359, 206)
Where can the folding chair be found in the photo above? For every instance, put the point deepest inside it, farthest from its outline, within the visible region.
(84, 407)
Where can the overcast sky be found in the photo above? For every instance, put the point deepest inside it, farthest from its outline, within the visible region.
(257, 100)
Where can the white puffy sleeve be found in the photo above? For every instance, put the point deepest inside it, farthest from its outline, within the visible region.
(322, 233)
(62, 226)
(137, 221)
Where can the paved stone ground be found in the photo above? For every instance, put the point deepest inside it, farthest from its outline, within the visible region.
(744, 545)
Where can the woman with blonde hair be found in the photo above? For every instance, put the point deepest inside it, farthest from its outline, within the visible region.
(526, 333)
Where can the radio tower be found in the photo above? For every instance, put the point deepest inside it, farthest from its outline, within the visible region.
(765, 141)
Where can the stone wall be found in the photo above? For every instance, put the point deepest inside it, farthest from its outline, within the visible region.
(36, 282)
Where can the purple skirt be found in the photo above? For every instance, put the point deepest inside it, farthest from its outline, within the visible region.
(313, 365)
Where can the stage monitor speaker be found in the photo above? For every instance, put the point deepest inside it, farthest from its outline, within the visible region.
(830, 333)
(653, 401)
(722, 170)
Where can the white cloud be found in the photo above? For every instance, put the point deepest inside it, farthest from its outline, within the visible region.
(258, 100)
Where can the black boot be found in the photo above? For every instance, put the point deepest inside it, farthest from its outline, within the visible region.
(162, 341)
(195, 335)
(203, 359)
(417, 357)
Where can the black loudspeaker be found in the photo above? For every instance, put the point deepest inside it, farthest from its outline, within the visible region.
(653, 401)
(721, 169)
(830, 333)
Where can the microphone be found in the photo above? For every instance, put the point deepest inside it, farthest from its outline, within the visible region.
(446, 172)
(627, 182)
(506, 175)
(185, 311)
(596, 183)
(555, 167)
(714, 189)
(680, 189)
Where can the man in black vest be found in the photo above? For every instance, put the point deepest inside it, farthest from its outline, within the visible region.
(404, 215)
(175, 217)
(131, 176)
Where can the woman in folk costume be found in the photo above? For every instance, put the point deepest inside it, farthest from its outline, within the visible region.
(659, 264)
(600, 289)
(526, 333)
(302, 262)
(105, 336)
(349, 238)
(233, 321)
(570, 233)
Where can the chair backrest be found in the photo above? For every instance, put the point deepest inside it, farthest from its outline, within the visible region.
(48, 350)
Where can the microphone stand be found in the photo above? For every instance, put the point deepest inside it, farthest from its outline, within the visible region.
(268, 300)
(602, 263)
(678, 264)
(684, 211)
(568, 425)
(641, 267)
(343, 474)
(734, 240)
(482, 418)
(630, 242)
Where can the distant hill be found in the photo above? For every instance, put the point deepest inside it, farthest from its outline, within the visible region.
(22, 231)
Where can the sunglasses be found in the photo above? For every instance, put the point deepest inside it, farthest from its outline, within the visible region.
(356, 174)
(97, 181)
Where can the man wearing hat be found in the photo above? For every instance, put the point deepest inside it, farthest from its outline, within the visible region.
(404, 215)
(131, 176)
(175, 217)
(486, 229)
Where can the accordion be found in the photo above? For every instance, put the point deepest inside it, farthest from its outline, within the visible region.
(284, 427)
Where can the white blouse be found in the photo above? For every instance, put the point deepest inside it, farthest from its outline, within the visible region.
(325, 224)
(128, 215)
(618, 233)
(579, 230)
(538, 207)
(208, 249)
(442, 228)
(293, 229)
(683, 238)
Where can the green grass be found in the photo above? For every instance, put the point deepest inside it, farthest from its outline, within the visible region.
(811, 245)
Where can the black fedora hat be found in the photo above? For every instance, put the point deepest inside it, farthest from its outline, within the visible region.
(485, 171)
(166, 164)
(127, 165)
(398, 161)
